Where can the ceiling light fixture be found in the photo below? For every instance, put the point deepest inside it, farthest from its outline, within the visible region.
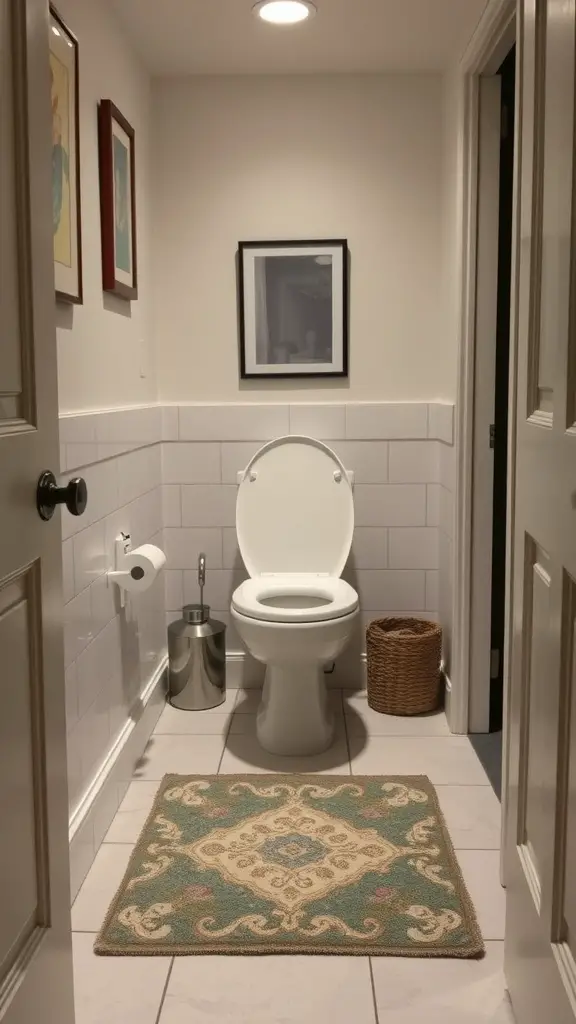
(284, 12)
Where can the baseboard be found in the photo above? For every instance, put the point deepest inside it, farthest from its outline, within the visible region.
(242, 671)
(92, 817)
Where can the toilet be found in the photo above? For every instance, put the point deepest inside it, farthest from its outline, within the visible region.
(295, 521)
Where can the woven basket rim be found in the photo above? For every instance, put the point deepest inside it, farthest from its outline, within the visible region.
(393, 625)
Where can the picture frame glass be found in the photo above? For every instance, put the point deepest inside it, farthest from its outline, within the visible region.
(293, 308)
(122, 183)
(65, 161)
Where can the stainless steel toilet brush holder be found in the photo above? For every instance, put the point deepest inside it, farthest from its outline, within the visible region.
(197, 655)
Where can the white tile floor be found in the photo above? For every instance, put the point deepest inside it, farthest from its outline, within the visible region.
(299, 989)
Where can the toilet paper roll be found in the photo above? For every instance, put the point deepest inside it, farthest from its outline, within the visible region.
(142, 566)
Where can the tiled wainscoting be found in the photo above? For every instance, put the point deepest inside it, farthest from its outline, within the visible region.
(115, 658)
(398, 454)
(446, 516)
(168, 475)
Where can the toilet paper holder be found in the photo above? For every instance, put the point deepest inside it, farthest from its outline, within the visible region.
(126, 575)
(122, 547)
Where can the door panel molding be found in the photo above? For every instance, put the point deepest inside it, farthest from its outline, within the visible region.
(21, 642)
(541, 834)
(535, 407)
(565, 836)
(25, 408)
(537, 583)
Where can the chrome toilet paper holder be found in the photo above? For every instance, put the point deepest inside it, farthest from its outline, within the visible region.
(123, 546)
(136, 568)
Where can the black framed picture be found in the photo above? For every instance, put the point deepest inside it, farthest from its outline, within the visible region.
(116, 150)
(293, 308)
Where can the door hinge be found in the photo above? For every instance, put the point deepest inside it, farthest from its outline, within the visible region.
(494, 663)
(492, 435)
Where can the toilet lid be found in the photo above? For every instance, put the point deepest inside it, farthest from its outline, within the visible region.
(295, 511)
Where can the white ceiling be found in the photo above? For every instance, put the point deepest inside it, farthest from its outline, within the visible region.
(181, 37)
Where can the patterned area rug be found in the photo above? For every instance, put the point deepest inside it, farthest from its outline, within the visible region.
(293, 864)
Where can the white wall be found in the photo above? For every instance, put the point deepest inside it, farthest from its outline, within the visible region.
(103, 344)
(301, 157)
(452, 171)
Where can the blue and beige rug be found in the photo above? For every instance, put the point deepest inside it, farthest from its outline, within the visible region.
(293, 864)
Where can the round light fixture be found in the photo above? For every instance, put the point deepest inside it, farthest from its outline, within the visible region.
(284, 12)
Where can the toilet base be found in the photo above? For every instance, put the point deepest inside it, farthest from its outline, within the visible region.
(294, 717)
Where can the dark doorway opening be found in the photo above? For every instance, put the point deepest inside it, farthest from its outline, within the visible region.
(489, 746)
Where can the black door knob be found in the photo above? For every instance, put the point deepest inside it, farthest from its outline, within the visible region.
(48, 495)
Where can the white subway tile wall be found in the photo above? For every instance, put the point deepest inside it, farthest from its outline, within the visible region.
(209, 505)
(171, 505)
(110, 653)
(441, 422)
(369, 459)
(395, 451)
(231, 557)
(432, 596)
(445, 515)
(169, 423)
(369, 548)
(235, 457)
(182, 547)
(168, 474)
(390, 504)
(194, 463)
(413, 548)
(233, 422)
(324, 422)
(401, 420)
(433, 498)
(413, 462)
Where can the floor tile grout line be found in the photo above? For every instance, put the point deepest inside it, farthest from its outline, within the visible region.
(226, 739)
(195, 735)
(120, 842)
(164, 991)
(373, 986)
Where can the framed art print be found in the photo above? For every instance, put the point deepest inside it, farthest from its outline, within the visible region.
(293, 308)
(117, 202)
(66, 222)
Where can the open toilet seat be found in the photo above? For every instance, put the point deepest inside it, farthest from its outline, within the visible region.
(295, 598)
(295, 523)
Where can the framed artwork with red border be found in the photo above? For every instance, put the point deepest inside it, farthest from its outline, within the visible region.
(117, 202)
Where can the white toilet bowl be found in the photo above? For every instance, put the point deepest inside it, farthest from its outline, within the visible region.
(295, 520)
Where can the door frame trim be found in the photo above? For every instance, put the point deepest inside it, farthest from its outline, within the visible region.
(484, 412)
(493, 38)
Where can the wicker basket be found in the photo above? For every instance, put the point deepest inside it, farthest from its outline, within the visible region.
(404, 657)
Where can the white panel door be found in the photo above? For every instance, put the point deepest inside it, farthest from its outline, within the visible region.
(35, 953)
(541, 827)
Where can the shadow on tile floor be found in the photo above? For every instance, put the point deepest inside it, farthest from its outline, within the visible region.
(244, 753)
(488, 747)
